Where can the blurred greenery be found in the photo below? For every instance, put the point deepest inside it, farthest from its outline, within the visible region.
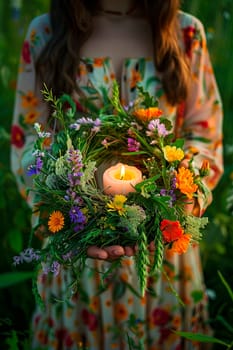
(17, 302)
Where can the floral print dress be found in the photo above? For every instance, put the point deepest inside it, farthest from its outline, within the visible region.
(111, 314)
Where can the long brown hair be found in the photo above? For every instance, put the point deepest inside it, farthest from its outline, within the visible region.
(71, 22)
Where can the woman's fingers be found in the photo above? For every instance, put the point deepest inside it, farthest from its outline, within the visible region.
(114, 251)
(97, 253)
(152, 247)
(129, 251)
(111, 252)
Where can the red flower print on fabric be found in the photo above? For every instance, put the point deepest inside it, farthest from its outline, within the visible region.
(64, 337)
(26, 55)
(164, 334)
(160, 317)
(17, 136)
(188, 34)
(89, 319)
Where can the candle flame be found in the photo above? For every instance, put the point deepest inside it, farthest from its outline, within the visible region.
(122, 173)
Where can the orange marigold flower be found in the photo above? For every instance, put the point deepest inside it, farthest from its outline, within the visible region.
(56, 221)
(146, 114)
(181, 245)
(171, 230)
(184, 182)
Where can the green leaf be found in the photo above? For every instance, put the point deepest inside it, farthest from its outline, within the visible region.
(9, 279)
(228, 288)
(225, 323)
(179, 143)
(67, 99)
(201, 338)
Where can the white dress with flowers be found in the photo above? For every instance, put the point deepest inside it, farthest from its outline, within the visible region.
(100, 320)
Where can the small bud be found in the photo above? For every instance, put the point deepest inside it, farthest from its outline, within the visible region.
(205, 168)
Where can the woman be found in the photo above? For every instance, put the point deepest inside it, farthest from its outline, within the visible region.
(79, 49)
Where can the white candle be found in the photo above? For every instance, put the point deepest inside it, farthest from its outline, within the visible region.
(121, 179)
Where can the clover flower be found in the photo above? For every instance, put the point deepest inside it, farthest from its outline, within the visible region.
(155, 126)
(133, 145)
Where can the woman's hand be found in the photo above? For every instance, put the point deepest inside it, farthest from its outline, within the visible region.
(109, 253)
(115, 251)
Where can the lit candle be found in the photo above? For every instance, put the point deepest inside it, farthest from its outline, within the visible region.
(121, 179)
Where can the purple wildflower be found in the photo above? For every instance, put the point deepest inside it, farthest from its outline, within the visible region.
(163, 192)
(36, 168)
(75, 160)
(17, 260)
(87, 121)
(28, 255)
(55, 268)
(173, 197)
(170, 193)
(173, 183)
(130, 105)
(133, 145)
(67, 256)
(77, 216)
(75, 126)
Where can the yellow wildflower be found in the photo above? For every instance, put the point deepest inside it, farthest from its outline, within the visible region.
(56, 221)
(117, 204)
(184, 182)
(172, 153)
